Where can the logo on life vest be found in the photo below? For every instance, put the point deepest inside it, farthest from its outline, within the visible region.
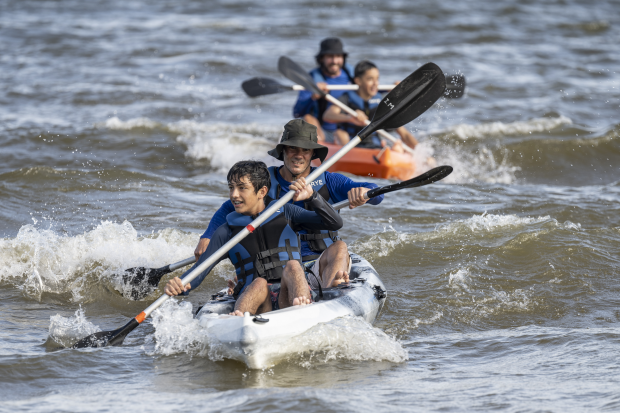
(315, 183)
(373, 101)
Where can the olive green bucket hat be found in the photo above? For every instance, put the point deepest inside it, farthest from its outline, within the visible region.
(300, 134)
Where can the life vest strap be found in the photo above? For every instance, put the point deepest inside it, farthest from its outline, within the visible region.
(313, 237)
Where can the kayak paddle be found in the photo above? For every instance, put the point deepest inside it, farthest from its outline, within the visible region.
(136, 277)
(408, 100)
(261, 86)
(297, 74)
(434, 175)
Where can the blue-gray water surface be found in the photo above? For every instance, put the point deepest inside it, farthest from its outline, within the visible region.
(119, 120)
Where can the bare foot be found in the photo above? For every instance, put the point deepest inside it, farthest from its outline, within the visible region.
(301, 301)
(341, 277)
(237, 313)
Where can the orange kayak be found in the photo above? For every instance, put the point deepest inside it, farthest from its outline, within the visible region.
(362, 162)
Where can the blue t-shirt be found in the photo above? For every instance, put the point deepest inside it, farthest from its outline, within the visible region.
(305, 105)
(338, 186)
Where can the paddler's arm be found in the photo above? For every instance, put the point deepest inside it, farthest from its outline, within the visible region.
(407, 138)
(216, 221)
(322, 216)
(219, 238)
(334, 114)
(342, 188)
(304, 105)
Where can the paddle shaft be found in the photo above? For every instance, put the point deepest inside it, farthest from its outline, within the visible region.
(354, 113)
(345, 87)
(246, 231)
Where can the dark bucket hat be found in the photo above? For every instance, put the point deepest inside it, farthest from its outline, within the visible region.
(299, 134)
(332, 45)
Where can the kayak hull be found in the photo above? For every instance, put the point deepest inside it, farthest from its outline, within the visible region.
(363, 162)
(262, 341)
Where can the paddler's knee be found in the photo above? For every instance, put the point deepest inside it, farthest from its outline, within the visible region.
(338, 246)
(293, 266)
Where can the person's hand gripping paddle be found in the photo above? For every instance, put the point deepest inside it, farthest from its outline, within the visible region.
(408, 100)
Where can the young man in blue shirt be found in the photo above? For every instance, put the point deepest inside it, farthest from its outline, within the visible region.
(325, 255)
(332, 70)
(270, 254)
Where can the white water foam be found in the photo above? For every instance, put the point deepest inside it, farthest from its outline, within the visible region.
(40, 260)
(481, 166)
(384, 243)
(222, 144)
(177, 331)
(499, 129)
(68, 330)
(347, 338)
(478, 301)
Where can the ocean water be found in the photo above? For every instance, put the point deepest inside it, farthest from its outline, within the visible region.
(119, 121)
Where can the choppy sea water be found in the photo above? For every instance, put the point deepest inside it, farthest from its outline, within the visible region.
(118, 121)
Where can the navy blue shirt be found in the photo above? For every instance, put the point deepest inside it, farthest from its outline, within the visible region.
(338, 186)
(305, 105)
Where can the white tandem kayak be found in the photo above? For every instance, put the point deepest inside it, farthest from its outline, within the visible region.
(260, 341)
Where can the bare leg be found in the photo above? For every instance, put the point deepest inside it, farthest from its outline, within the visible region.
(341, 137)
(334, 264)
(255, 299)
(294, 287)
(314, 121)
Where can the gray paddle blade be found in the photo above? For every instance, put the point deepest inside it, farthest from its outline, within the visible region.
(261, 86)
(408, 100)
(107, 338)
(455, 86)
(292, 71)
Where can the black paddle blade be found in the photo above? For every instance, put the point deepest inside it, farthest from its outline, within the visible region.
(408, 100)
(434, 175)
(143, 280)
(261, 86)
(298, 75)
(455, 86)
(107, 338)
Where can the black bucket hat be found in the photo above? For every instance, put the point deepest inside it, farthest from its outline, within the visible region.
(331, 45)
(300, 134)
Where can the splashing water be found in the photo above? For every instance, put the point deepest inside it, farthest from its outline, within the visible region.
(351, 338)
(68, 330)
(39, 260)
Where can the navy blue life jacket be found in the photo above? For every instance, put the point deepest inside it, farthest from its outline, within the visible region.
(265, 252)
(318, 76)
(369, 107)
(318, 240)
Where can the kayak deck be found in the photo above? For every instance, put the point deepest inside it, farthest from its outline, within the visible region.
(261, 341)
(363, 162)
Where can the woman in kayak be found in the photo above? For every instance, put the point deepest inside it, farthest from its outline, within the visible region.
(271, 252)
(365, 101)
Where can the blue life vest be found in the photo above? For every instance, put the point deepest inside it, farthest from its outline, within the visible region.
(265, 252)
(369, 107)
(317, 240)
(321, 104)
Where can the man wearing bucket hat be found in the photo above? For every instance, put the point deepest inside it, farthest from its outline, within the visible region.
(332, 70)
(325, 256)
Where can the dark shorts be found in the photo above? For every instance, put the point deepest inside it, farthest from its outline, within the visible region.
(274, 294)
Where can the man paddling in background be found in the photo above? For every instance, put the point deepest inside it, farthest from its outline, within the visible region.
(326, 256)
(332, 70)
(365, 102)
(270, 254)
